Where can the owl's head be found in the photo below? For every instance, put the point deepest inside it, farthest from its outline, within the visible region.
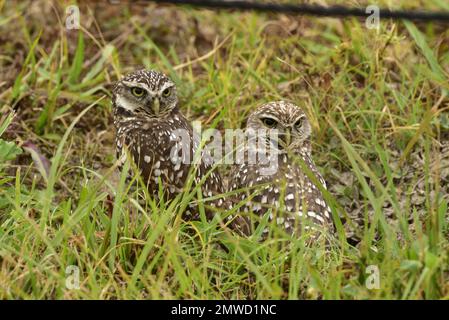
(145, 92)
(292, 127)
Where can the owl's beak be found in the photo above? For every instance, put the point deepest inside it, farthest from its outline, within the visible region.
(156, 105)
(285, 138)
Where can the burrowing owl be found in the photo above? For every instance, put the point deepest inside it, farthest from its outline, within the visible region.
(281, 188)
(160, 140)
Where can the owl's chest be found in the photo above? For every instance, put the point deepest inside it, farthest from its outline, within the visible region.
(284, 176)
(274, 170)
(159, 150)
(141, 143)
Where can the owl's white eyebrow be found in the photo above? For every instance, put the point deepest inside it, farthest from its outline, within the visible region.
(138, 84)
(167, 85)
(300, 117)
(268, 116)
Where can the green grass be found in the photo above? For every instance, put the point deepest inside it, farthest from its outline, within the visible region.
(377, 103)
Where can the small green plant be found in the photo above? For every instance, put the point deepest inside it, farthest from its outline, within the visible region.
(8, 150)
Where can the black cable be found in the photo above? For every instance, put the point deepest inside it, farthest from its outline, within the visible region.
(306, 9)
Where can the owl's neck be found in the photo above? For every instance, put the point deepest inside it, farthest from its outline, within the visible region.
(122, 115)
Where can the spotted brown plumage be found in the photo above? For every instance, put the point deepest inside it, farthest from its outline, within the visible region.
(285, 193)
(153, 131)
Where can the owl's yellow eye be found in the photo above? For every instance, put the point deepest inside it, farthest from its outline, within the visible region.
(269, 122)
(299, 122)
(166, 92)
(138, 92)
